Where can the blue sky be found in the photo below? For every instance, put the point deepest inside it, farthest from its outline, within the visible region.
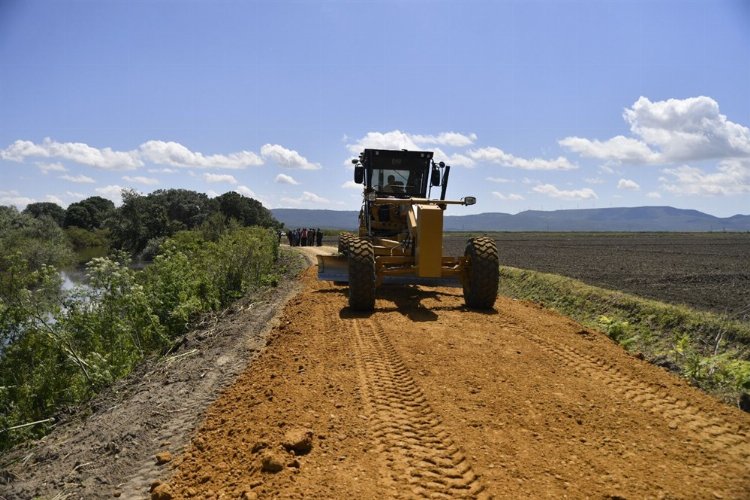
(536, 104)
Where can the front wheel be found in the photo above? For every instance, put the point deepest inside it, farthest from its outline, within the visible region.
(481, 276)
(361, 275)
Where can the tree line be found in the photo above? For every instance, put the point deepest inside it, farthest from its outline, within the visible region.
(143, 221)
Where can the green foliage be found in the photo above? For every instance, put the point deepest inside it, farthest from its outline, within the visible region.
(83, 238)
(246, 211)
(60, 349)
(46, 209)
(90, 213)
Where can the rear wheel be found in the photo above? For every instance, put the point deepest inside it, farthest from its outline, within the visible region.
(361, 275)
(481, 276)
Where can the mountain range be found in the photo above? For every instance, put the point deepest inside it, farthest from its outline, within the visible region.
(594, 219)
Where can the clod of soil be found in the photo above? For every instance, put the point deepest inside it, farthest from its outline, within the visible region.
(298, 440)
(162, 492)
(271, 461)
(163, 458)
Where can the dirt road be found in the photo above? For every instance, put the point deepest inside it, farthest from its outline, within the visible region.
(424, 398)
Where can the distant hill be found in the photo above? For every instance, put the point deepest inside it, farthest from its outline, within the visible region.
(594, 219)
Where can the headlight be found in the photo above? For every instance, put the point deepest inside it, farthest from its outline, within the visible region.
(469, 200)
(371, 196)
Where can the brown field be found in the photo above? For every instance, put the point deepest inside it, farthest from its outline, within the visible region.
(707, 271)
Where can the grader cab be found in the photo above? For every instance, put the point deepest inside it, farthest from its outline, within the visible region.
(400, 238)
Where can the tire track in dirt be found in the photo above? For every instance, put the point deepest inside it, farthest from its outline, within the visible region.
(709, 432)
(421, 460)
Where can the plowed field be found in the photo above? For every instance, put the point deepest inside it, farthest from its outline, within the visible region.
(424, 398)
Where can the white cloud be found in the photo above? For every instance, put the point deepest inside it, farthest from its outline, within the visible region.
(654, 195)
(246, 191)
(78, 152)
(285, 179)
(177, 155)
(508, 197)
(576, 194)
(628, 184)
(216, 178)
(78, 179)
(593, 180)
(670, 131)
(113, 192)
(211, 193)
(162, 171)
(453, 139)
(287, 158)
(51, 167)
(498, 180)
(352, 185)
(394, 139)
(139, 179)
(500, 157)
(456, 159)
(71, 194)
(618, 148)
(13, 197)
(308, 198)
(54, 199)
(731, 177)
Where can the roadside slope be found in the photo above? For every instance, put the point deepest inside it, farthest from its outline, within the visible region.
(424, 397)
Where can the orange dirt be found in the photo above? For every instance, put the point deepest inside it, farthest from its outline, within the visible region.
(424, 398)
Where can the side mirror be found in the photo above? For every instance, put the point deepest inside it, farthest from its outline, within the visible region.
(355, 161)
(359, 174)
(435, 177)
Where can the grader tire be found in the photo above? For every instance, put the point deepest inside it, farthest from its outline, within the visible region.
(344, 241)
(361, 275)
(481, 274)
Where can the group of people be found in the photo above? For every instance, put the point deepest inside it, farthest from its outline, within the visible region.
(305, 237)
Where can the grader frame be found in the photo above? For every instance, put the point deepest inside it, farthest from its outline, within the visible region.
(400, 234)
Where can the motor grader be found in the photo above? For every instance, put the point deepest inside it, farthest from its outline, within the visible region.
(400, 238)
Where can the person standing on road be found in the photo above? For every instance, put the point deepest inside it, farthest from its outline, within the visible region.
(319, 235)
(303, 237)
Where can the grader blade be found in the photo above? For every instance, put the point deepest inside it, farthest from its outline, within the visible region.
(333, 268)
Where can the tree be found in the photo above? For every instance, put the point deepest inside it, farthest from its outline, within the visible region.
(90, 213)
(46, 209)
(246, 211)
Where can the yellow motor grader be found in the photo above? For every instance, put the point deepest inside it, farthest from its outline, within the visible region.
(400, 236)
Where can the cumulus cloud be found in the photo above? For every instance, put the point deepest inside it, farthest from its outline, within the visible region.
(162, 171)
(456, 159)
(246, 191)
(51, 167)
(14, 198)
(177, 155)
(287, 158)
(104, 158)
(670, 131)
(576, 194)
(394, 139)
(78, 179)
(628, 185)
(498, 180)
(112, 192)
(285, 179)
(54, 199)
(500, 157)
(307, 198)
(216, 178)
(654, 195)
(139, 179)
(508, 197)
(453, 139)
(352, 185)
(731, 177)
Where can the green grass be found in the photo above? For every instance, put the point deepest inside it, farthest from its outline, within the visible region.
(711, 351)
